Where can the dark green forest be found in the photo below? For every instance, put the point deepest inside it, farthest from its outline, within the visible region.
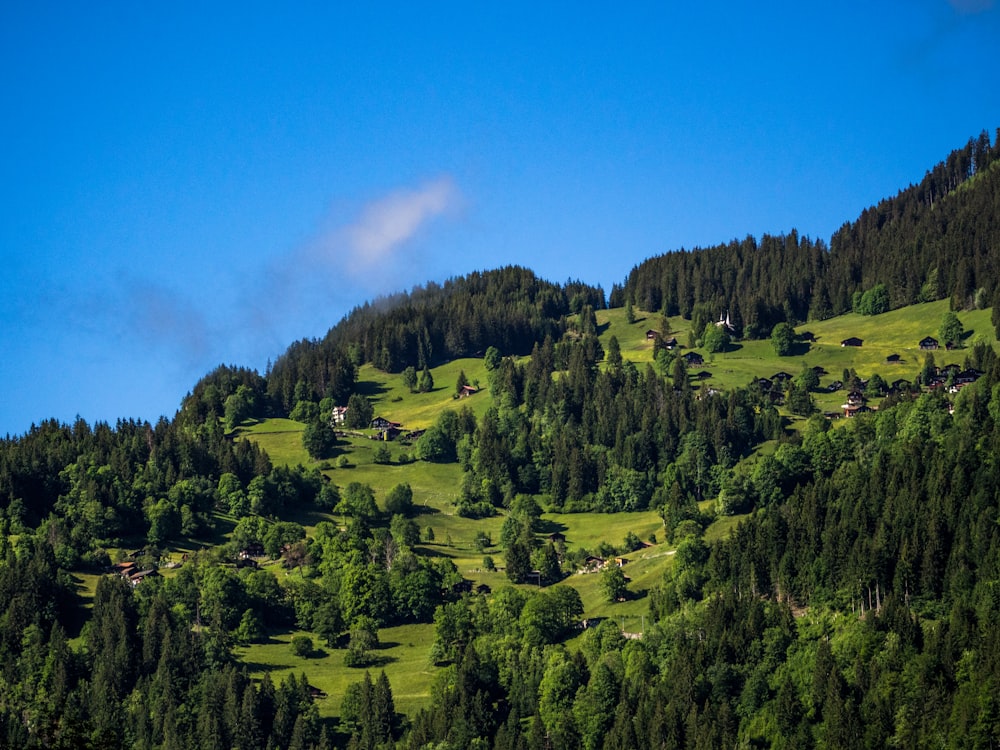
(885, 529)
(937, 239)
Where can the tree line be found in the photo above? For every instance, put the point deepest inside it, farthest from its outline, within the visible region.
(937, 239)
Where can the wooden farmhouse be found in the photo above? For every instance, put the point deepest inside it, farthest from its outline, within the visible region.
(693, 358)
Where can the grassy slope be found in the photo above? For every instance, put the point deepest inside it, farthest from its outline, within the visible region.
(895, 332)
(403, 655)
(435, 486)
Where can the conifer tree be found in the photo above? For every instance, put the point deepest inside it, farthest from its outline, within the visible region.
(426, 381)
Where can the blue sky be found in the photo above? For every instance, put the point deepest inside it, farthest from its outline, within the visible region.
(184, 186)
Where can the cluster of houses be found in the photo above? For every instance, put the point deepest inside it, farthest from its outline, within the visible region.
(952, 377)
(670, 343)
(386, 429)
(593, 564)
(773, 386)
(857, 401)
(249, 555)
(930, 343)
(131, 572)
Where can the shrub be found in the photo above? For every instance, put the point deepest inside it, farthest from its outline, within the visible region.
(302, 645)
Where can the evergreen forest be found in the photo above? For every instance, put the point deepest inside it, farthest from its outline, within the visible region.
(255, 571)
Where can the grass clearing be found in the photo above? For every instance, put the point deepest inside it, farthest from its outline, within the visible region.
(281, 438)
(393, 400)
(403, 655)
(894, 332)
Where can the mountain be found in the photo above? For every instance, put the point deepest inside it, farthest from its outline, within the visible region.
(798, 582)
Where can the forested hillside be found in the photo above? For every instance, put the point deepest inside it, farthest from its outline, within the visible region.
(811, 582)
(510, 308)
(939, 238)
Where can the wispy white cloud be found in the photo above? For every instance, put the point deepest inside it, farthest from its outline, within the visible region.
(374, 251)
(386, 224)
(384, 229)
(299, 292)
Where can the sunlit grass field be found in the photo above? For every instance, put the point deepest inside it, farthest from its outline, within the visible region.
(403, 654)
(894, 332)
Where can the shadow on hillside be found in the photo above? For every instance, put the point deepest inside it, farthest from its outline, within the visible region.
(260, 666)
(374, 661)
(270, 640)
(78, 613)
(370, 388)
(426, 551)
(548, 526)
(425, 510)
(310, 516)
(799, 348)
(603, 327)
(215, 536)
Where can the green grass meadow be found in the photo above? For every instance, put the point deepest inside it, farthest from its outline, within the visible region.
(403, 655)
(895, 332)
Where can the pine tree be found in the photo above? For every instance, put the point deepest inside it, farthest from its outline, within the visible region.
(426, 381)
(383, 711)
